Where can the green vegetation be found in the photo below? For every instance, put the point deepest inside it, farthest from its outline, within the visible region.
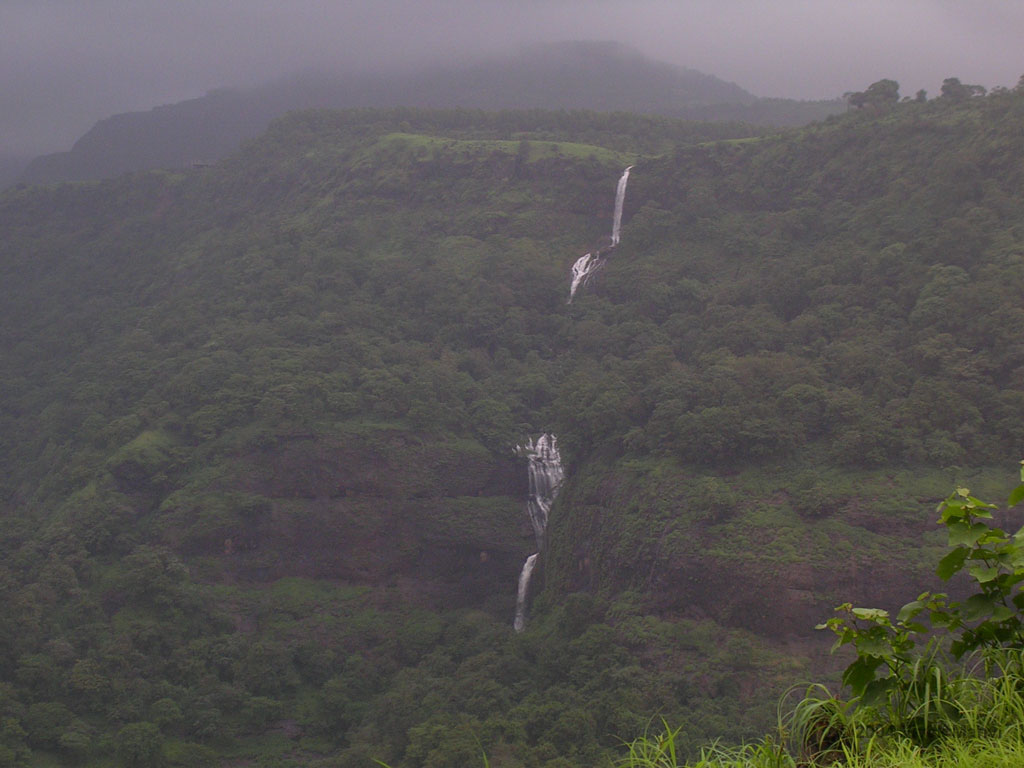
(529, 151)
(910, 706)
(259, 501)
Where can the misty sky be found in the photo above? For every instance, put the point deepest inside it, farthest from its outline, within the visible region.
(64, 64)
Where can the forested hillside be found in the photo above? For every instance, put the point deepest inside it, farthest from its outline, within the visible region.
(260, 500)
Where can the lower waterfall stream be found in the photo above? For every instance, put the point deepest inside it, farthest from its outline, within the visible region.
(545, 476)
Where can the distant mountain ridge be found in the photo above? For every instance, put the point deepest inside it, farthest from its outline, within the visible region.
(580, 75)
(11, 167)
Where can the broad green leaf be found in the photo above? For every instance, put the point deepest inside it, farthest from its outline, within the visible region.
(962, 533)
(860, 673)
(1016, 496)
(910, 610)
(877, 691)
(977, 606)
(974, 504)
(983, 574)
(997, 535)
(951, 510)
(951, 563)
(1016, 552)
(870, 614)
(1001, 613)
(846, 636)
(868, 645)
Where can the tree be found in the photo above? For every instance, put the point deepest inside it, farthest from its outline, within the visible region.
(954, 90)
(45, 721)
(880, 94)
(14, 752)
(140, 745)
(165, 713)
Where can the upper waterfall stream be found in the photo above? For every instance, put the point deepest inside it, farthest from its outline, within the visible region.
(620, 199)
(587, 264)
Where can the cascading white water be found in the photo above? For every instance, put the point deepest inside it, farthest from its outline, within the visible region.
(620, 198)
(545, 471)
(585, 266)
(524, 585)
(545, 475)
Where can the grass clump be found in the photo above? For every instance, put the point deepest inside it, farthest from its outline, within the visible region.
(981, 721)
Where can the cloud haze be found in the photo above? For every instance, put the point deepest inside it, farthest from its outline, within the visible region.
(66, 63)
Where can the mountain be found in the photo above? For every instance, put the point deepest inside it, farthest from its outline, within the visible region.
(260, 497)
(11, 168)
(594, 76)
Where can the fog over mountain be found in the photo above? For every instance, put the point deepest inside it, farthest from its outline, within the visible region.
(65, 65)
(573, 75)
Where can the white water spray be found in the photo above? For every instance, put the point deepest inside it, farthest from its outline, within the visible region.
(545, 475)
(545, 472)
(589, 263)
(620, 198)
(524, 585)
(585, 266)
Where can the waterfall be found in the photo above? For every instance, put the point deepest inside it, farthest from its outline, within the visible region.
(545, 475)
(545, 472)
(524, 585)
(585, 266)
(545, 463)
(589, 263)
(620, 198)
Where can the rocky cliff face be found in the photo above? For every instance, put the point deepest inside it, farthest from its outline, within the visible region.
(703, 550)
(445, 521)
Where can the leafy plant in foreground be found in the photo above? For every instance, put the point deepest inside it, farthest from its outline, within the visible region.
(909, 683)
(910, 707)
